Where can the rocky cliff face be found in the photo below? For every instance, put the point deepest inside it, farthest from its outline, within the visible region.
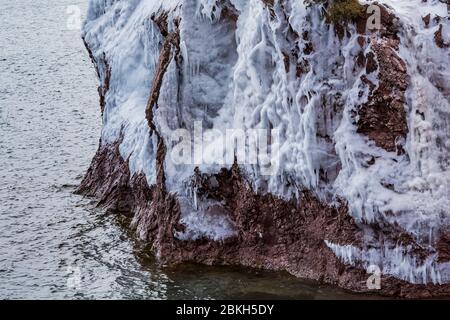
(307, 136)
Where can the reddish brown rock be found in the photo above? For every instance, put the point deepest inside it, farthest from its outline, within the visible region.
(383, 117)
(443, 247)
(272, 233)
(170, 47)
(438, 38)
(426, 20)
(372, 64)
(104, 87)
(108, 179)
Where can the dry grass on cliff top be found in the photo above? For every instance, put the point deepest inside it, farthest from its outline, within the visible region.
(342, 11)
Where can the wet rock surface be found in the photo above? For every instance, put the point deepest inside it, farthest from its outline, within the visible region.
(272, 233)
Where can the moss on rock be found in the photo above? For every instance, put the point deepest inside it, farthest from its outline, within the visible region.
(344, 11)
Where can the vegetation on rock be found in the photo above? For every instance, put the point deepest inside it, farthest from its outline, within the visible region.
(344, 11)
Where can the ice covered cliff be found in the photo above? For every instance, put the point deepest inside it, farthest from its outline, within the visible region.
(356, 125)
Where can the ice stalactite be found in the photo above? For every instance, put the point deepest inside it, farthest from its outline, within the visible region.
(398, 261)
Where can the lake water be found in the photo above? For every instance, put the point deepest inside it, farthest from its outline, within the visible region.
(57, 245)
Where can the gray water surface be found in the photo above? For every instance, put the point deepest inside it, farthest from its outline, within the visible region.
(57, 245)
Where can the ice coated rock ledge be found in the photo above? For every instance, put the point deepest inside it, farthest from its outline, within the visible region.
(363, 123)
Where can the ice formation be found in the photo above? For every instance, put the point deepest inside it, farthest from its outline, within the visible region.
(280, 65)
